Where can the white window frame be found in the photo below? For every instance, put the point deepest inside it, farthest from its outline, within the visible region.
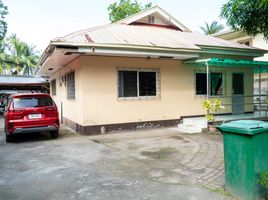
(138, 97)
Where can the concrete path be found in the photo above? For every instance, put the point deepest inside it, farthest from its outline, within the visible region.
(75, 167)
(175, 157)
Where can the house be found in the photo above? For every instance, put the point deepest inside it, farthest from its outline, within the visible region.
(258, 42)
(242, 38)
(148, 70)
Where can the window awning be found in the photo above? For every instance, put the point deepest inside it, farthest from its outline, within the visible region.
(259, 66)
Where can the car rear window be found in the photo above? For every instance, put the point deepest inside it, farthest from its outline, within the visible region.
(32, 102)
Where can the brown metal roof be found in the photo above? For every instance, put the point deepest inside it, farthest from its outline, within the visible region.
(146, 36)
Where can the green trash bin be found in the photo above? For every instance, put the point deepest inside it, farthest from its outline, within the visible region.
(245, 157)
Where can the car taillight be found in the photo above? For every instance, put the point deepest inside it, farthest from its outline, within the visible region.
(17, 113)
(52, 108)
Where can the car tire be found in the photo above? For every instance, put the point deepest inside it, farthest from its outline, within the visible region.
(9, 138)
(54, 134)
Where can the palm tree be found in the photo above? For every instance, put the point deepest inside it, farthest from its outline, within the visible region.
(22, 57)
(214, 27)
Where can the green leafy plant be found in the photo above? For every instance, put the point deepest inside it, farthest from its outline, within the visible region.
(263, 179)
(212, 106)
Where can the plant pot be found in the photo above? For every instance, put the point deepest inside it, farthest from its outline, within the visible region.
(212, 128)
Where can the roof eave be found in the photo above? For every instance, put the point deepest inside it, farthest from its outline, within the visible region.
(250, 52)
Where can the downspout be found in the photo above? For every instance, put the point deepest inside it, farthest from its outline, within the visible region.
(207, 79)
(259, 90)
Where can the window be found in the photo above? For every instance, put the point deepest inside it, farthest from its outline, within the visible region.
(247, 42)
(53, 87)
(215, 84)
(201, 83)
(137, 83)
(151, 19)
(71, 85)
(32, 102)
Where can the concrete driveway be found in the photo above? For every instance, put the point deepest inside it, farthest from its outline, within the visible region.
(75, 167)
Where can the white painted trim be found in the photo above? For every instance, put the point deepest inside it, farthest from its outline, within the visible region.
(149, 11)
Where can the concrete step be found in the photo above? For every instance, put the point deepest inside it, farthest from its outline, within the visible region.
(197, 122)
(189, 128)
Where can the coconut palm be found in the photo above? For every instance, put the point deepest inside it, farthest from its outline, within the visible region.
(20, 56)
(212, 28)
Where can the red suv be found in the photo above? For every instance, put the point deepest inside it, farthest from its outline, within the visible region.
(28, 113)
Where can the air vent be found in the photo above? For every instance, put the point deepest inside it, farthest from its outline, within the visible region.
(166, 57)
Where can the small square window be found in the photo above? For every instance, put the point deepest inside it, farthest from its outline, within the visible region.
(53, 87)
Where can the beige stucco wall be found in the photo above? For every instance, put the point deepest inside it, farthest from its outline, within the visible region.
(99, 90)
(259, 42)
(71, 109)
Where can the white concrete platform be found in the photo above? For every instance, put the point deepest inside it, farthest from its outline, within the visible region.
(198, 124)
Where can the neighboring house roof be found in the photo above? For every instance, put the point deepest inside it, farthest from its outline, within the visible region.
(136, 36)
(229, 34)
(22, 80)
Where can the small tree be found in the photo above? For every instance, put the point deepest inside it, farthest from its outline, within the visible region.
(124, 9)
(211, 106)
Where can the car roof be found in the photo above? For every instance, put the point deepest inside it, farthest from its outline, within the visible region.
(29, 95)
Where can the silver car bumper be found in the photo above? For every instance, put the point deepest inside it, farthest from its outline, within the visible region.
(35, 129)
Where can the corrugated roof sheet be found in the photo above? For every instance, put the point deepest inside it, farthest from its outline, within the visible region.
(5, 80)
(147, 36)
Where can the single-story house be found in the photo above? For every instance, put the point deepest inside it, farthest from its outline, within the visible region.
(147, 70)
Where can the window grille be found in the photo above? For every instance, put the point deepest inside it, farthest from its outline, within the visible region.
(71, 85)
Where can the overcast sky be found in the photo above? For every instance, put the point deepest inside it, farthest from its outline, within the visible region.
(38, 21)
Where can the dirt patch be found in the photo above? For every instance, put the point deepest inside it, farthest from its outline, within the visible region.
(176, 137)
(161, 154)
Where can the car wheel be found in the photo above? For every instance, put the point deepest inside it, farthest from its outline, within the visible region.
(8, 138)
(54, 134)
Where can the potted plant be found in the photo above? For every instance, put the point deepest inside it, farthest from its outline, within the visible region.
(212, 106)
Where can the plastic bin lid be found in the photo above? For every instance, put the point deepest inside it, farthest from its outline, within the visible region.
(248, 127)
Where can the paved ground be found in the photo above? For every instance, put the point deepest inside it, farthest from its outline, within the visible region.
(75, 167)
(174, 157)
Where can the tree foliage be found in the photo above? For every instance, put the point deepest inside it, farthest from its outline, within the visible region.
(212, 28)
(17, 58)
(3, 24)
(251, 16)
(124, 9)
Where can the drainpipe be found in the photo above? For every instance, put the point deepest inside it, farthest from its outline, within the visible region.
(260, 90)
(207, 79)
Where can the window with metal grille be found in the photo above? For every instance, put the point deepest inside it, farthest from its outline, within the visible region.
(71, 85)
(215, 84)
(53, 87)
(137, 83)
